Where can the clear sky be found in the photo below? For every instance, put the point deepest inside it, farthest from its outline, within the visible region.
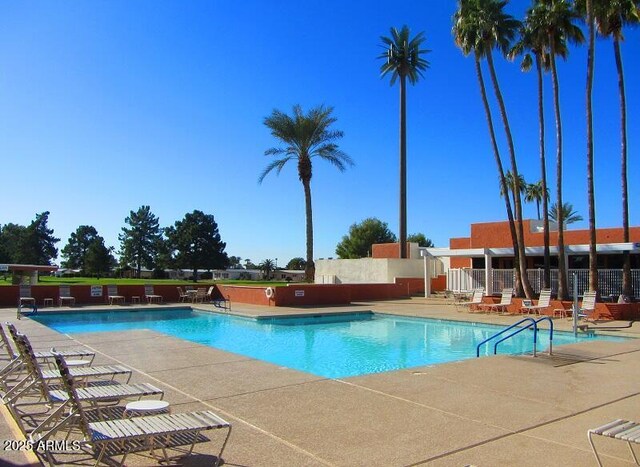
(109, 105)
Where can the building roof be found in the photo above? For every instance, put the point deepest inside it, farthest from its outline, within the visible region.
(603, 248)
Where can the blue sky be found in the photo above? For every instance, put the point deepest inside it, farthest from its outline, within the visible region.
(109, 105)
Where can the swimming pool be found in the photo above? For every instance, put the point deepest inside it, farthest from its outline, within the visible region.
(332, 346)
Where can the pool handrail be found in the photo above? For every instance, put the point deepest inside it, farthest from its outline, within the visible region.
(503, 331)
(535, 336)
(548, 318)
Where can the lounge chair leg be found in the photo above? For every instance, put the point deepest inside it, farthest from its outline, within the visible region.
(593, 448)
(633, 454)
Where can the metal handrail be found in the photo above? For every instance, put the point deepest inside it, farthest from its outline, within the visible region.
(503, 331)
(547, 318)
(535, 336)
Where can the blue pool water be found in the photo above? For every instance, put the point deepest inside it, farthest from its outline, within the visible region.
(329, 346)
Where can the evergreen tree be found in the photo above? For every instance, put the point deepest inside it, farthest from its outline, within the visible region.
(139, 244)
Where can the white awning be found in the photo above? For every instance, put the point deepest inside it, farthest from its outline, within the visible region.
(603, 248)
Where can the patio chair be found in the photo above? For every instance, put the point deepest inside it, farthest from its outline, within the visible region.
(93, 394)
(183, 296)
(623, 430)
(151, 295)
(476, 299)
(14, 362)
(587, 306)
(25, 297)
(505, 301)
(544, 302)
(84, 372)
(217, 302)
(64, 296)
(200, 295)
(112, 294)
(152, 434)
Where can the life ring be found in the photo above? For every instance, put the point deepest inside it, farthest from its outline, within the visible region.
(269, 292)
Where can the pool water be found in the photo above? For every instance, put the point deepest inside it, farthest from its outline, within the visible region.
(332, 346)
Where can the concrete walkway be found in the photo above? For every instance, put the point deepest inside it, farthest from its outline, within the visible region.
(493, 411)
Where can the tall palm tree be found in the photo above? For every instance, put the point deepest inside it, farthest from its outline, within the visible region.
(267, 267)
(403, 60)
(305, 137)
(557, 19)
(568, 214)
(536, 192)
(514, 186)
(533, 41)
(481, 26)
(610, 17)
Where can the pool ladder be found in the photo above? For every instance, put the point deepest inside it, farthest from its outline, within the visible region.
(517, 330)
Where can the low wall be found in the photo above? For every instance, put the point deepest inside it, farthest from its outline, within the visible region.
(9, 295)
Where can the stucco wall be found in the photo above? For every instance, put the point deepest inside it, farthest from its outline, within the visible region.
(366, 270)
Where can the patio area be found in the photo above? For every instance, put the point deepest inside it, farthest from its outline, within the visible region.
(498, 411)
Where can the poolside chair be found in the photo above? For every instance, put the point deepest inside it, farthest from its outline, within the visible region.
(476, 299)
(200, 295)
(14, 362)
(153, 434)
(624, 430)
(544, 302)
(183, 296)
(112, 294)
(505, 301)
(25, 297)
(64, 296)
(150, 294)
(84, 372)
(93, 394)
(587, 306)
(217, 302)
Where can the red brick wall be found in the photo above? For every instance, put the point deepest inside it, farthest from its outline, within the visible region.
(439, 283)
(458, 244)
(386, 250)
(497, 235)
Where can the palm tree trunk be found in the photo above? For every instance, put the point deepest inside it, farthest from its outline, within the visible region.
(496, 153)
(546, 276)
(403, 167)
(593, 261)
(562, 265)
(310, 268)
(627, 289)
(521, 264)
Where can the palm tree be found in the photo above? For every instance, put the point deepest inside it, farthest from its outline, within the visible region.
(305, 137)
(481, 26)
(610, 17)
(536, 192)
(533, 41)
(404, 60)
(567, 213)
(556, 19)
(513, 186)
(267, 267)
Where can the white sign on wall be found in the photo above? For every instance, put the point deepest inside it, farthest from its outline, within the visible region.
(96, 291)
(4, 267)
(299, 293)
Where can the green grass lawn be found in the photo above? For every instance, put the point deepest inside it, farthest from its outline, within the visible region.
(51, 280)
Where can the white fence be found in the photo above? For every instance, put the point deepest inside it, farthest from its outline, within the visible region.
(609, 280)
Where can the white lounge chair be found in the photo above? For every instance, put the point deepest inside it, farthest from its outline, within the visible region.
(25, 298)
(64, 296)
(182, 295)
(14, 361)
(93, 394)
(112, 295)
(544, 302)
(150, 294)
(505, 301)
(587, 306)
(476, 299)
(624, 430)
(153, 434)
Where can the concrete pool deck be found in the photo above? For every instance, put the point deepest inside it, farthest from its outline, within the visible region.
(493, 411)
